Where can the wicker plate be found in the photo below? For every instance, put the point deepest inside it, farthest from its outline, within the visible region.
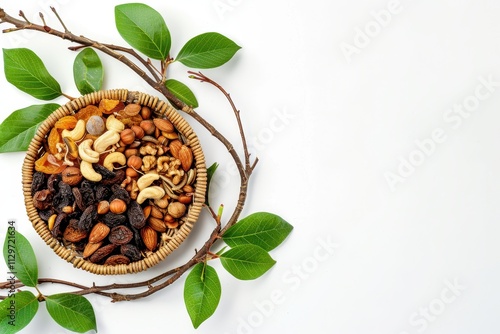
(159, 108)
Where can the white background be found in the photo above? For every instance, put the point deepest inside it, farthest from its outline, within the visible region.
(334, 102)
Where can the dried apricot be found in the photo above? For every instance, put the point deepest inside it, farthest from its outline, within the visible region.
(87, 112)
(48, 164)
(110, 106)
(53, 139)
(66, 123)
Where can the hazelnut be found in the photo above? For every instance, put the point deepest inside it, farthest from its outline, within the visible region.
(127, 136)
(139, 132)
(148, 126)
(102, 207)
(134, 161)
(131, 172)
(176, 209)
(118, 206)
(71, 176)
(130, 151)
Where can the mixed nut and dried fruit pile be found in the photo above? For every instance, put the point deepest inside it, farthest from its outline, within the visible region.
(113, 182)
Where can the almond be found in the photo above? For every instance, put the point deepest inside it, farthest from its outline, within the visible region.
(157, 224)
(164, 125)
(156, 213)
(98, 233)
(132, 109)
(175, 146)
(90, 249)
(149, 237)
(186, 157)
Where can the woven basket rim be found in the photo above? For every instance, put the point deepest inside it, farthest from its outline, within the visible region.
(159, 107)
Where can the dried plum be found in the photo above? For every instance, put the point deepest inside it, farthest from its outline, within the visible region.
(87, 192)
(120, 235)
(64, 196)
(42, 199)
(106, 173)
(102, 193)
(53, 181)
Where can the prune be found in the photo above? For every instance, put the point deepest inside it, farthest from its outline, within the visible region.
(120, 235)
(39, 182)
(72, 232)
(42, 199)
(102, 193)
(64, 196)
(131, 251)
(119, 192)
(112, 219)
(106, 173)
(135, 215)
(87, 192)
(87, 219)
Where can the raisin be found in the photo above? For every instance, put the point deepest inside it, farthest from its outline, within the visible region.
(52, 182)
(117, 259)
(45, 214)
(135, 215)
(102, 193)
(137, 238)
(87, 192)
(64, 196)
(101, 253)
(78, 198)
(88, 218)
(118, 179)
(120, 235)
(39, 182)
(113, 219)
(131, 251)
(120, 193)
(59, 224)
(106, 173)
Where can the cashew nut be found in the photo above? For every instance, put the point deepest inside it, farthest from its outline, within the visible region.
(107, 139)
(88, 172)
(146, 180)
(111, 158)
(86, 153)
(77, 133)
(114, 124)
(153, 192)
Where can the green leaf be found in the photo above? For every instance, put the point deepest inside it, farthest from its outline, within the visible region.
(73, 312)
(17, 130)
(263, 229)
(202, 291)
(17, 311)
(207, 50)
(182, 92)
(88, 72)
(25, 70)
(20, 257)
(144, 29)
(247, 262)
(210, 173)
